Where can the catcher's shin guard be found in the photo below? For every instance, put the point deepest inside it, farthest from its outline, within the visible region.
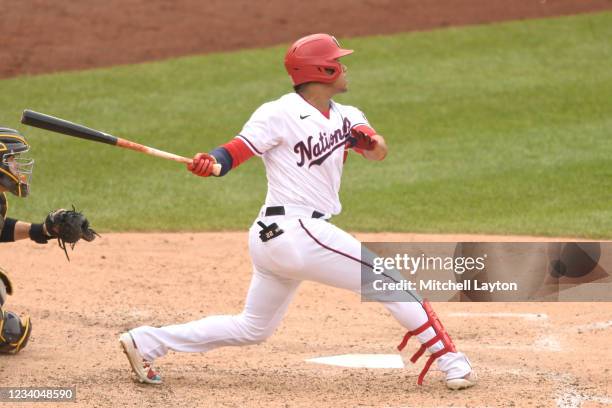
(441, 335)
(6, 288)
(14, 332)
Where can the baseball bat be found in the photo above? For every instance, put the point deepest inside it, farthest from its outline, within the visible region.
(47, 122)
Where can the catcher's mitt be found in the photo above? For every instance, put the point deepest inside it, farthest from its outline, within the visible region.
(68, 226)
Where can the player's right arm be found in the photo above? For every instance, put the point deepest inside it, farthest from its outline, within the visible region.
(258, 135)
(230, 155)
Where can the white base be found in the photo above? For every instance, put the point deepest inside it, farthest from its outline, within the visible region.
(361, 360)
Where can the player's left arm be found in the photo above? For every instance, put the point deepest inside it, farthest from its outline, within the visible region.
(22, 230)
(380, 149)
(66, 225)
(368, 143)
(15, 230)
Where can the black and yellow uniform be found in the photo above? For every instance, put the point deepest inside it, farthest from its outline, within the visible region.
(68, 226)
(15, 172)
(3, 209)
(14, 332)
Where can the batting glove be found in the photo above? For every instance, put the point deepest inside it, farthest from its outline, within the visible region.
(202, 164)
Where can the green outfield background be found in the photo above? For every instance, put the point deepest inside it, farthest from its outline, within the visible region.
(503, 128)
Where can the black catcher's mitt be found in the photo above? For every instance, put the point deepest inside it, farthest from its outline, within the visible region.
(69, 226)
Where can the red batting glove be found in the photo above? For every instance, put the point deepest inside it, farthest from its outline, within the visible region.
(360, 140)
(202, 164)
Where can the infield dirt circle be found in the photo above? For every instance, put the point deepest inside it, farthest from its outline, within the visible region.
(526, 354)
(530, 355)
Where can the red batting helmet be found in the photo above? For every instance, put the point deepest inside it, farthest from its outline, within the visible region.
(309, 57)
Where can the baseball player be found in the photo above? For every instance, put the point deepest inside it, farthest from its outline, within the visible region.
(66, 226)
(303, 138)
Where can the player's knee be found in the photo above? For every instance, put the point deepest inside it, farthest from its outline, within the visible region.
(256, 338)
(254, 333)
(257, 335)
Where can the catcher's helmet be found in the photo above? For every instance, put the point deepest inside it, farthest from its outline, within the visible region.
(15, 171)
(310, 58)
(14, 333)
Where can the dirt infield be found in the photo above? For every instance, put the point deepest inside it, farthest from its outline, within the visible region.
(46, 36)
(532, 355)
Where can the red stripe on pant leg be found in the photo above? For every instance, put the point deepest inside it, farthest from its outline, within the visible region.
(334, 250)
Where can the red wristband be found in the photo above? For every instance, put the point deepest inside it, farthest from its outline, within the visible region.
(239, 151)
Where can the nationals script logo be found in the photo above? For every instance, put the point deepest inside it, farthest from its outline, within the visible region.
(322, 149)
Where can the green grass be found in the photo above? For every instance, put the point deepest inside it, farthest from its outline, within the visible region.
(502, 128)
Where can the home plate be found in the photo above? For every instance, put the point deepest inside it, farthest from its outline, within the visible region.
(361, 360)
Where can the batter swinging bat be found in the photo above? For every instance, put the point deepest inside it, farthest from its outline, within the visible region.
(42, 121)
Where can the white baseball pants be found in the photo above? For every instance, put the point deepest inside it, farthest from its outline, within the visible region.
(309, 249)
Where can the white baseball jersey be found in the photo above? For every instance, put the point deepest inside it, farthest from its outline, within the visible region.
(302, 150)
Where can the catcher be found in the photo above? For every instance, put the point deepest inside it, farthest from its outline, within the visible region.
(65, 226)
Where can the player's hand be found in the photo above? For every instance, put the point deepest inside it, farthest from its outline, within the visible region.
(68, 226)
(360, 140)
(202, 165)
